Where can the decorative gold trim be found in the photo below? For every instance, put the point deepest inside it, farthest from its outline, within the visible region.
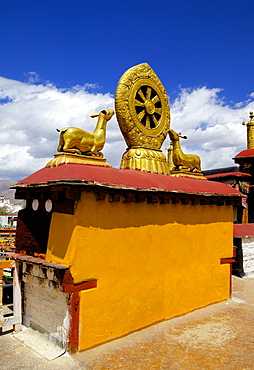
(65, 158)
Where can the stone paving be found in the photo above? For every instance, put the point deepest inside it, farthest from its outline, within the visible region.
(219, 336)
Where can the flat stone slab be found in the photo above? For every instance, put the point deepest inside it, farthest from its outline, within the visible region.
(40, 343)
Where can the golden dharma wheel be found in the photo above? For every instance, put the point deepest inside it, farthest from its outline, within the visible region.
(142, 108)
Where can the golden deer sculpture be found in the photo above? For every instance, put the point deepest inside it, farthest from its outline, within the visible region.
(189, 162)
(76, 140)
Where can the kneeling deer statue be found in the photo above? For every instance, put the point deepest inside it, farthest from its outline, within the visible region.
(76, 140)
(183, 161)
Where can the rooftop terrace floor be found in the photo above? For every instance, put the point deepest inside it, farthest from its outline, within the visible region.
(219, 336)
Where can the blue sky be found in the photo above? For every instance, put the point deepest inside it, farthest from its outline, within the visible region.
(195, 47)
(188, 43)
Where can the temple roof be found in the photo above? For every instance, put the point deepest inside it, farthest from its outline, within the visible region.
(90, 175)
(229, 174)
(245, 153)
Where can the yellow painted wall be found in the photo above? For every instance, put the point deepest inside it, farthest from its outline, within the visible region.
(152, 261)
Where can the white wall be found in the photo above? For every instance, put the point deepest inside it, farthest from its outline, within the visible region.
(248, 255)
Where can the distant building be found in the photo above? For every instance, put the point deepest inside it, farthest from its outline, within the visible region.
(7, 206)
(8, 220)
(8, 224)
(233, 177)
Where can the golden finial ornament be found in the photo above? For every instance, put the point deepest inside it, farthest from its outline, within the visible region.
(250, 131)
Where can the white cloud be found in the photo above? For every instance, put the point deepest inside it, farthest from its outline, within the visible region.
(32, 77)
(30, 114)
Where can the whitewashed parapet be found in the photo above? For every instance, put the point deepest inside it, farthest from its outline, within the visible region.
(45, 305)
(244, 242)
(248, 254)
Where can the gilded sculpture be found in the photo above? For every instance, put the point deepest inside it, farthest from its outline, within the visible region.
(79, 146)
(183, 162)
(143, 114)
(76, 140)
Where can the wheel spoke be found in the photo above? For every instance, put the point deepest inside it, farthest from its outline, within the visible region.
(148, 123)
(158, 110)
(139, 103)
(155, 120)
(147, 113)
(155, 99)
(141, 114)
(148, 93)
(140, 93)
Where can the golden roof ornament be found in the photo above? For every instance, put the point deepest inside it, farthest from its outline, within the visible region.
(250, 131)
(187, 165)
(79, 146)
(143, 114)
